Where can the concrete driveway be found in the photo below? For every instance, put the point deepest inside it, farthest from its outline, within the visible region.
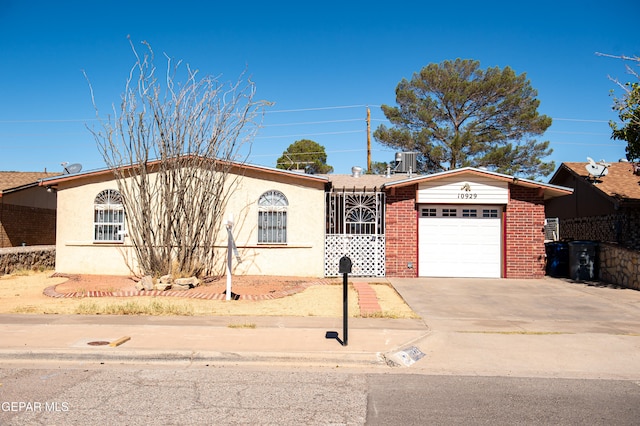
(547, 304)
(543, 327)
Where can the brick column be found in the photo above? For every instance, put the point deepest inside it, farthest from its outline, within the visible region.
(524, 248)
(401, 232)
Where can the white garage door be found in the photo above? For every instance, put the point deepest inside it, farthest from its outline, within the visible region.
(459, 241)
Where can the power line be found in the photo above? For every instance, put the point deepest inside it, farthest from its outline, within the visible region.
(580, 120)
(578, 133)
(583, 144)
(304, 123)
(310, 134)
(315, 109)
(70, 120)
(338, 151)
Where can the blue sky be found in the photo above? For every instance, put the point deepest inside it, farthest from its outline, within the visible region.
(320, 64)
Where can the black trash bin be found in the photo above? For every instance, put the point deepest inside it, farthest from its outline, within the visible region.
(557, 259)
(583, 260)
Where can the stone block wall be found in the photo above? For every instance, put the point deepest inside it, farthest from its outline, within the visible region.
(619, 265)
(29, 258)
(622, 228)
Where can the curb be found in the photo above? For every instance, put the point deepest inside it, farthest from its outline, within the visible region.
(311, 359)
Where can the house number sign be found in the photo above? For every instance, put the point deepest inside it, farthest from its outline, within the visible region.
(466, 193)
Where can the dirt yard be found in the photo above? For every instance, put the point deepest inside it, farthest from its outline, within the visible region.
(241, 285)
(282, 296)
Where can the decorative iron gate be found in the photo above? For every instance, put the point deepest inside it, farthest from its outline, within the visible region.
(355, 228)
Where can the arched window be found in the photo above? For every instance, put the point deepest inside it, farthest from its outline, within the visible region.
(108, 217)
(272, 218)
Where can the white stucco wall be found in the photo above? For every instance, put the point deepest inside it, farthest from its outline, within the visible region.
(303, 255)
(76, 253)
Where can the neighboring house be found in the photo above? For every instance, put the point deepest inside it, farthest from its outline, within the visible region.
(461, 223)
(604, 209)
(27, 211)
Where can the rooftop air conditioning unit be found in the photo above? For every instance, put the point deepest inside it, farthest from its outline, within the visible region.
(406, 162)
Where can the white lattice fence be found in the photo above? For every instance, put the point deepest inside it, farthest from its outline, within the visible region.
(365, 251)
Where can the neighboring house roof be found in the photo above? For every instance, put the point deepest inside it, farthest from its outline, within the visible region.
(242, 166)
(14, 181)
(550, 191)
(620, 183)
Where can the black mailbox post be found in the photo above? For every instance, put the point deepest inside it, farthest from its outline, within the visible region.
(345, 269)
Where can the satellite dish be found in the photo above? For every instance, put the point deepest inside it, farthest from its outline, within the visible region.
(71, 168)
(597, 170)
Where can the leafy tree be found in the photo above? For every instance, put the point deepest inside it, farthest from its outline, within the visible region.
(305, 154)
(628, 108)
(455, 115)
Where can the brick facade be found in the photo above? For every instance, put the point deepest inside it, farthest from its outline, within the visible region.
(28, 225)
(524, 233)
(401, 232)
(523, 225)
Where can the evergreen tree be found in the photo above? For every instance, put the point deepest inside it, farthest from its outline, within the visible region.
(455, 115)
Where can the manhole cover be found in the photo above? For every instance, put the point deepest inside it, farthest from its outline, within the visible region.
(98, 343)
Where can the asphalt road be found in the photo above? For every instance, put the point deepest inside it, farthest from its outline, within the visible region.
(290, 396)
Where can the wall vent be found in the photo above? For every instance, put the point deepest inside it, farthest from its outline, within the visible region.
(552, 229)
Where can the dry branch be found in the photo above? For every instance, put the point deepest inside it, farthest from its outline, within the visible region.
(171, 147)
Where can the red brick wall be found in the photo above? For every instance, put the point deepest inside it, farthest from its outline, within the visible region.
(401, 232)
(30, 225)
(524, 233)
(524, 222)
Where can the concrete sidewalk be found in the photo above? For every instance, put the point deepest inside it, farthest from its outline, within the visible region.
(295, 340)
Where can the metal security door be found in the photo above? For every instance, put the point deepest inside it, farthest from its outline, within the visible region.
(355, 228)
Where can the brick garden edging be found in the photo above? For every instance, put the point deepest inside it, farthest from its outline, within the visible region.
(191, 294)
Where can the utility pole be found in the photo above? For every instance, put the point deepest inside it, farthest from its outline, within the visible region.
(368, 140)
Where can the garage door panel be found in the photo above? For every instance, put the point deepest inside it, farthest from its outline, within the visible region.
(455, 246)
(449, 261)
